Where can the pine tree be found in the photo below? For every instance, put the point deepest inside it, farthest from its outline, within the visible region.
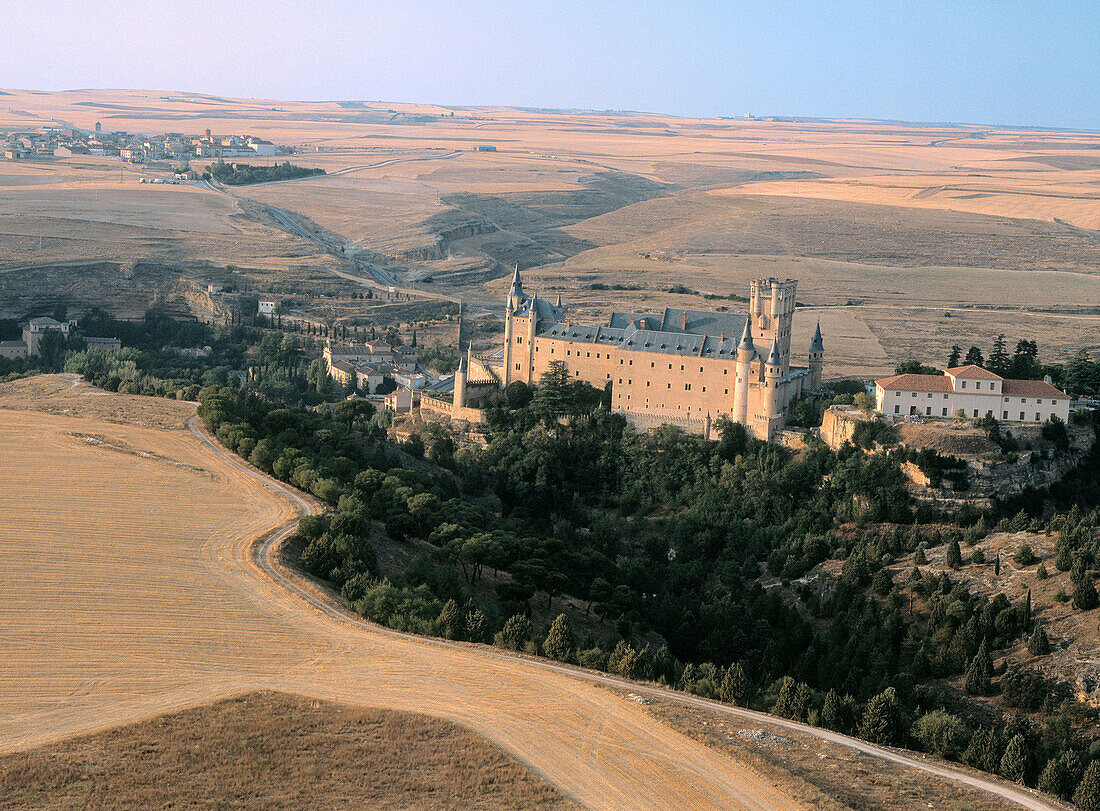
(516, 632)
(830, 711)
(999, 361)
(1014, 761)
(1041, 572)
(974, 356)
(1064, 560)
(954, 554)
(983, 752)
(786, 702)
(1039, 643)
(979, 673)
(1084, 596)
(560, 641)
(733, 689)
(449, 620)
(881, 718)
(1087, 796)
(1054, 778)
(953, 358)
(477, 627)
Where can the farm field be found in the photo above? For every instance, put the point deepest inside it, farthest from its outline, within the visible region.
(887, 225)
(132, 592)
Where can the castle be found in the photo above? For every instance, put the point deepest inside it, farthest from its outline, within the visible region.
(680, 367)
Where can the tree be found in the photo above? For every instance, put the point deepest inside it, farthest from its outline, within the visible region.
(449, 620)
(1014, 762)
(954, 554)
(974, 356)
(942, 733)
(881, 718)
(1025, 361)
(516, 632)
(953, 358)
(791, 702)
(980, 672)
(1039, 643)
(553, 389)
(1055, 778)
(733, 688)
(477, 628)
(1025, 555)
(983, 752)
(1084, 595)
(831, 712)
(999, 362)
(1087, 796)
(560, 641)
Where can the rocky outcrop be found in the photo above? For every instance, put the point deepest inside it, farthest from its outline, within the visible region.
(838, 424)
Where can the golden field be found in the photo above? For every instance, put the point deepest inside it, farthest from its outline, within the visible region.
(887, 226)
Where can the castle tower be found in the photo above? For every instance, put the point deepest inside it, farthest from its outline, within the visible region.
(771, 308)
(460, 386)
(772, 402)
(817, 358)
(516, 297)
(745, 352)
(532, 323)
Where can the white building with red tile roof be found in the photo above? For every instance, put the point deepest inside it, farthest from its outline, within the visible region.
(973, 392)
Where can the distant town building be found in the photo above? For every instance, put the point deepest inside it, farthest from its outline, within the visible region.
(970, 391)
(11, 350)
(106, 344)
(35, 330)
(485, 148)
(267, 307)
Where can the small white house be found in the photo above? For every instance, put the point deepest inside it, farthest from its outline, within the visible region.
(267, 307)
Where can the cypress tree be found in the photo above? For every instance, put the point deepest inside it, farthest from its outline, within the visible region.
(1027, 611)
(786, 702)
(733, 687)
(1064, 560)
(560, 641)
(954, 357)
(1087, 796)
(1039, 643)
(979, 673)
(1014, 761)
(997, 565)
(954, 554)
(881, 718)
(983, 752)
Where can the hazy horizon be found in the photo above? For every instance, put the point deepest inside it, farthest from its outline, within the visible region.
(983, 63)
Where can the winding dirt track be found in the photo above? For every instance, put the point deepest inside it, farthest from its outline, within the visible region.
(132, 586)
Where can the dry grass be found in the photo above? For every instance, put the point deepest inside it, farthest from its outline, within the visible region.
(68, 394)
(130, 590)
(270, 750)
(889, 225)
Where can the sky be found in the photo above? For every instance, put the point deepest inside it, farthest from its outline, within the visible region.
(970, 61)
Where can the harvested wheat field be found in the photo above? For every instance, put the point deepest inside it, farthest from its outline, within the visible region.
(269, 750)
(131, 591)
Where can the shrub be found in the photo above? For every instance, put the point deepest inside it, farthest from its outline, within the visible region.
(1084, 596)
(942, 733)
(1025, 556)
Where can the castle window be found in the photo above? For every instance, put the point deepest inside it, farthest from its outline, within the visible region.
(727, 391)
(519, 339)
(647, 384)
(1038, 418)
(963, 383)
(551, 350)
(670, 385)
(725, 371)
(652, 365)
(700, 368)
(1021, 416)
(681, 367)
(687, 387)
(975, 412)
(945, 397)
(1004, 415)
(897, 409)
(704, 388)
(631, 361)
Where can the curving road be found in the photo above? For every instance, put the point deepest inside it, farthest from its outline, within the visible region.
(264, 552)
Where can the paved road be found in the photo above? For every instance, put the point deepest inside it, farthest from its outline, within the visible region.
(265, 552)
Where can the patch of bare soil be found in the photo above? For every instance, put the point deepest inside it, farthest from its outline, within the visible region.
(947, 438)
(272, 750)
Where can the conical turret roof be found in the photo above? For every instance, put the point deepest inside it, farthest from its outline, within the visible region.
(517, 284)
(746, 337)
(773, 356)
(816, 345)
